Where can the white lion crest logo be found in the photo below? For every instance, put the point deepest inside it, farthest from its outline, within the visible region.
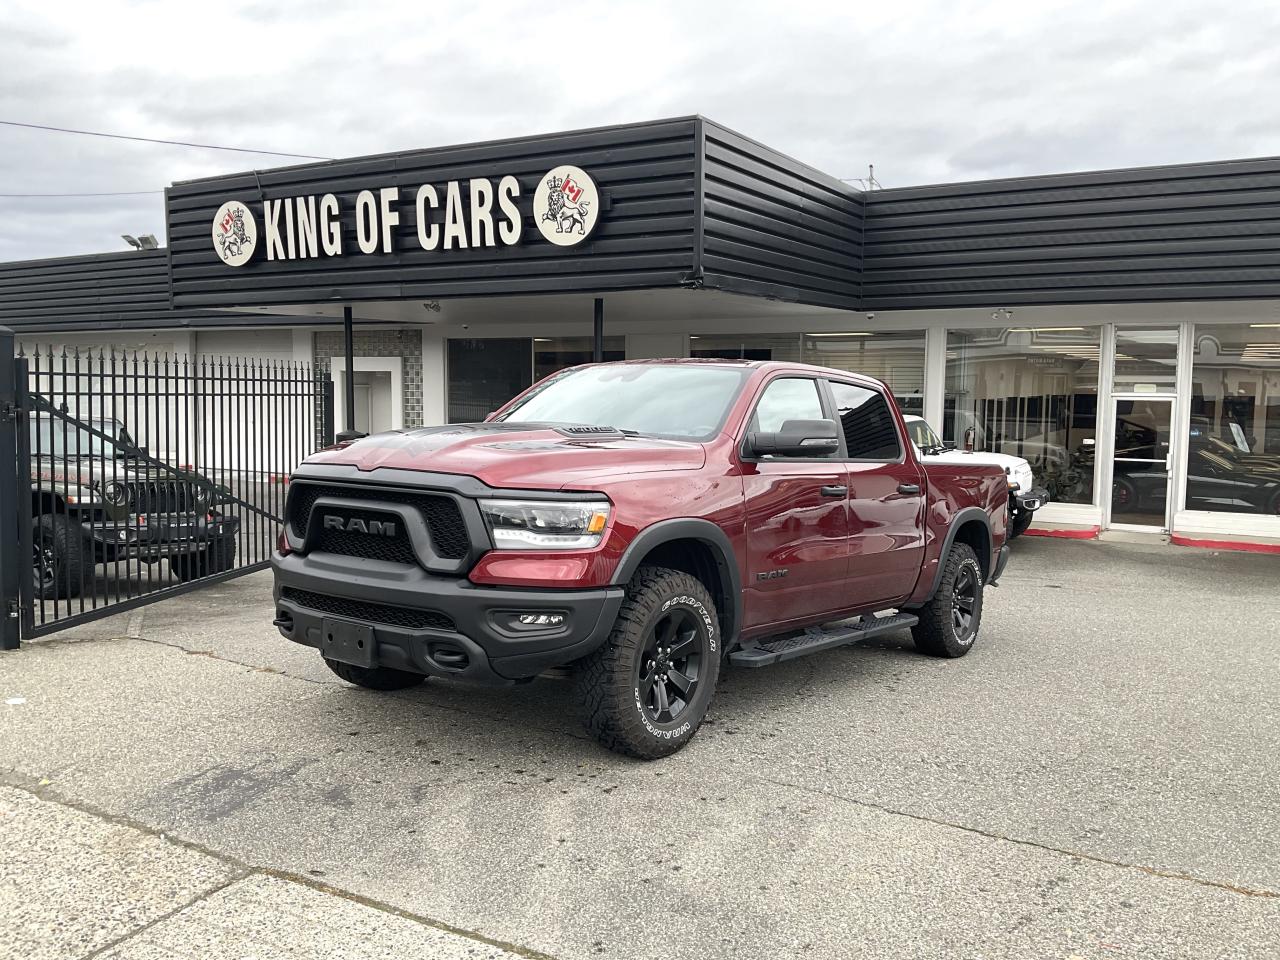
(562, 210)
(235, 233)
(566, 204)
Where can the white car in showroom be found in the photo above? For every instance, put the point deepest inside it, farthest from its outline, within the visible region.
(1025, 498)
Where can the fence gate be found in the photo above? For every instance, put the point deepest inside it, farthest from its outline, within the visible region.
(148, 475)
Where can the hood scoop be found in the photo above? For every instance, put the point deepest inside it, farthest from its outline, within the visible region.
(591, 433)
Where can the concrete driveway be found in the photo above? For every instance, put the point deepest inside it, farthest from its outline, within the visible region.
(1097, 779)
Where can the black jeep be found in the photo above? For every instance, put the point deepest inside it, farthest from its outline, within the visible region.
(97, 497)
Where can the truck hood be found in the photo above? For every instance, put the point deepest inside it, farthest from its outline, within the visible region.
(514, 454)
(87, 471)
(1017, 468)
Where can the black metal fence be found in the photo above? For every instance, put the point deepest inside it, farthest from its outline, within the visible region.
(140, 476)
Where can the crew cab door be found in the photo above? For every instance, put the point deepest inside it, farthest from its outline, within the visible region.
(797, 520)
(886, 496)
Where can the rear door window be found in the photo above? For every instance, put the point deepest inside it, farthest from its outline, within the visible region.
(867, 422)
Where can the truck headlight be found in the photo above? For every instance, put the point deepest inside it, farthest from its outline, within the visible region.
(545, 524)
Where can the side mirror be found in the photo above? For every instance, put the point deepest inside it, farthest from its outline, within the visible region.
(797, 438)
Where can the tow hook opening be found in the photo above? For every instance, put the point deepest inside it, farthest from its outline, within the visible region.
(449, 656)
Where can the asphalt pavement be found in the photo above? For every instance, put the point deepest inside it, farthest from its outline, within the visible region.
(1096, 779)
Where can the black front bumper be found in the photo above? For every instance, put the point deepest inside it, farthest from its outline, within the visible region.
(445, 626)
(156, 535)
(1028, 500)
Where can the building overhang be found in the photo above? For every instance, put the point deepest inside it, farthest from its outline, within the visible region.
(668, 205)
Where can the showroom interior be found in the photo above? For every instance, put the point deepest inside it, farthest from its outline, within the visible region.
(1118, 329)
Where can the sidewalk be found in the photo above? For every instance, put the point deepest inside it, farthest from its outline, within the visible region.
(80, 884)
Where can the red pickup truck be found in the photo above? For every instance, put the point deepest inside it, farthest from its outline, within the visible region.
(645, 522)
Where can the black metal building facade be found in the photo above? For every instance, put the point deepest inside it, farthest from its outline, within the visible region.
(684, 203)
(1205, 231)
(687, 203)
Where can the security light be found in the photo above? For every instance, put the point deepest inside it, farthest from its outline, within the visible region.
(148, 241)
(131, 241)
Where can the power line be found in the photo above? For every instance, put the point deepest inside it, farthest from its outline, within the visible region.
(120, 193)
(170, 143)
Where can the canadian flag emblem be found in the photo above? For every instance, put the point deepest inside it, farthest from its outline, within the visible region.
(572, 190)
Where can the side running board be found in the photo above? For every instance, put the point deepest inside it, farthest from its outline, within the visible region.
(825, 637)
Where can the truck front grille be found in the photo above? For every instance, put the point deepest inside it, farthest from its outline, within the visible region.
(369, 612)
(443, 518)
(160, 496)
(373, 546)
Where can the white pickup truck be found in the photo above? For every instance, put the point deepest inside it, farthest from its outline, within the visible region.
(1025, 498)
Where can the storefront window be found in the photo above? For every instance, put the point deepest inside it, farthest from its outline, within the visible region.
(897, 357)
(555, 353)
(745, 347)
(485, 374)
(1032, 393)
(1146, 360)
(1233, 454)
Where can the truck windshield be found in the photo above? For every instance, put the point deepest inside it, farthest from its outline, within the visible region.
(671, 401)
(922, 435)
(60, 438)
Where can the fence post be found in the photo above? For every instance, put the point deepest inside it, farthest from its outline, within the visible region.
(326, 413)
(11, 562)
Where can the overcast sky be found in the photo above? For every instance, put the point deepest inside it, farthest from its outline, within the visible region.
(927, 92)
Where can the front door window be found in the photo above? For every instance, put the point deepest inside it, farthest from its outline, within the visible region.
(1142, 463)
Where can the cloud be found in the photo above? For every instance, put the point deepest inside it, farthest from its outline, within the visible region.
(926, 91)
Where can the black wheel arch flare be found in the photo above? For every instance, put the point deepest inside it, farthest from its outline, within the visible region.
(710, 535)
(985, 559)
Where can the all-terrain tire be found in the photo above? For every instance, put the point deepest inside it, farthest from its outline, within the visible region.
(375, 678)
(1018, 526)
(617, 683)
(946, 629)
(60, 535)
(218, 557)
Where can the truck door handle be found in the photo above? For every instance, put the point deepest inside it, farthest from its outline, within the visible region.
(835, 490)
(908, 489)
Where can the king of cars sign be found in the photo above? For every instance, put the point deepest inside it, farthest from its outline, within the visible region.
(457, 215)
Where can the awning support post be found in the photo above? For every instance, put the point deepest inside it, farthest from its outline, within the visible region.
(349, 431)
(597, 344)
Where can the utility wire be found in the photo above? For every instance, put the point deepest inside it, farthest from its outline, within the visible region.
(170, 143)
(122, 193)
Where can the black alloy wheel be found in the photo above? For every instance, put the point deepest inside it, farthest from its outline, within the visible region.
(44, 562)
(964, 600)
(646, 689)
(670, 665)
(1123, 496)
(950, 620)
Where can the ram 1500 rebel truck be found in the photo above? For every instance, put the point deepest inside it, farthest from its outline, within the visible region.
(645, 522)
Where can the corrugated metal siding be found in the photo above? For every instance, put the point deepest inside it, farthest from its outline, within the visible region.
(86, 293)
(775, 227)
(110, 290)
(1207, 231)
(644, 238)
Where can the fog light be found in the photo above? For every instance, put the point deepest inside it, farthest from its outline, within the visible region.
(122, 535)
(541, 619)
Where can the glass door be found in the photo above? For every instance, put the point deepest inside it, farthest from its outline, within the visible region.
(1141, 462)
